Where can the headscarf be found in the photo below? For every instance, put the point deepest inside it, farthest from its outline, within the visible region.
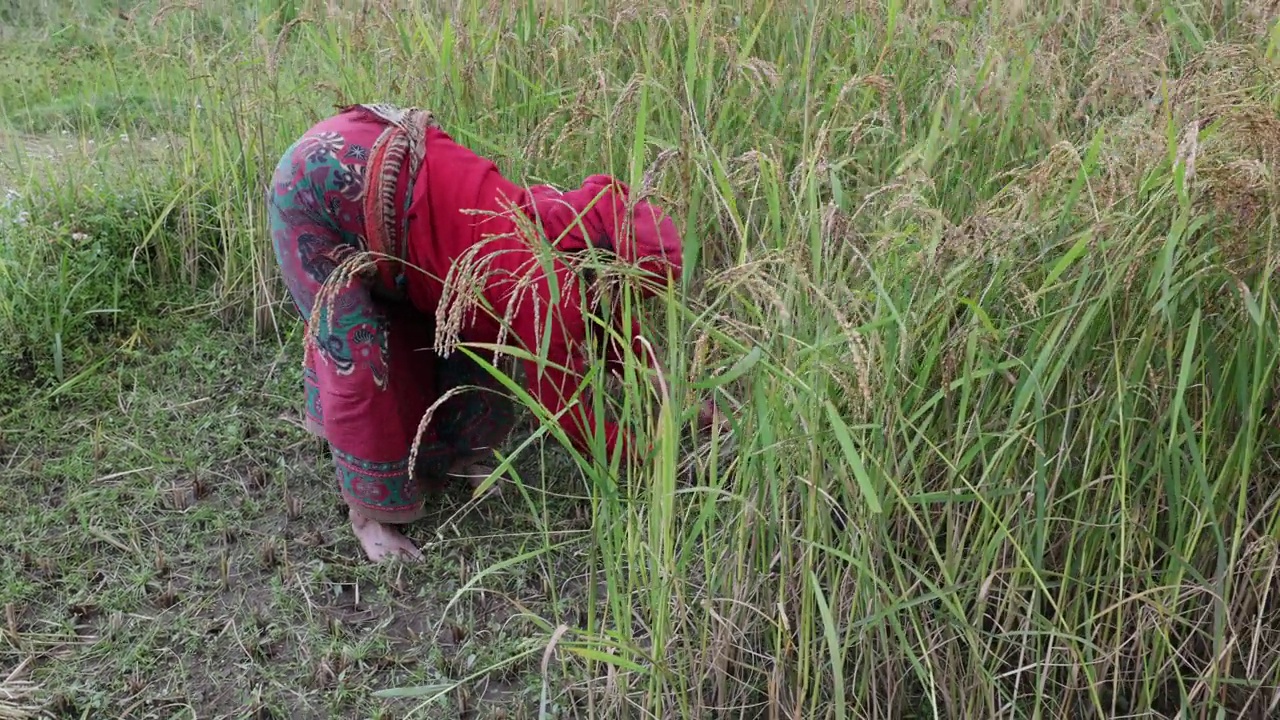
(600, 208)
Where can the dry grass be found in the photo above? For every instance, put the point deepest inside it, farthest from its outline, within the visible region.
(18, 697)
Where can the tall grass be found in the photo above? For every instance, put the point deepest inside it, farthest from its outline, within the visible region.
(986, 286)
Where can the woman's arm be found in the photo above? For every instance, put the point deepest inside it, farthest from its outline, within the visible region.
(556, 374)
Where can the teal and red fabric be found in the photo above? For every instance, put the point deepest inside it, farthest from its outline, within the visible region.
(372, 374)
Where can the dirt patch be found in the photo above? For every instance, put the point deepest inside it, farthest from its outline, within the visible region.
(192, 552)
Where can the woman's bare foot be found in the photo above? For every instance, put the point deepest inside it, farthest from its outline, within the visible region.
(381, 541)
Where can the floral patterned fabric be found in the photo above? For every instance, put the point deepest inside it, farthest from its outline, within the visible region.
(369, 372)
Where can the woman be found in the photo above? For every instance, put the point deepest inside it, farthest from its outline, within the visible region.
(371, 210)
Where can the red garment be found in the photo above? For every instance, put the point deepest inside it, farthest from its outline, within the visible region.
(370, 373)
(453, 181)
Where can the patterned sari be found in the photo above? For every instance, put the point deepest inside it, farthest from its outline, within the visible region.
(337, 206)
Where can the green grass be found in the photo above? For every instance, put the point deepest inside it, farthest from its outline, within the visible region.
(987, 287)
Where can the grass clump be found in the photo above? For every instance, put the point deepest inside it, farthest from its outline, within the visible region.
(987, 287)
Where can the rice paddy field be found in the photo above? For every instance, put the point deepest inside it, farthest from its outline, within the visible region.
(984, 286)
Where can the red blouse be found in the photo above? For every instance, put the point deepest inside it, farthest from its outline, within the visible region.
(453, 183)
